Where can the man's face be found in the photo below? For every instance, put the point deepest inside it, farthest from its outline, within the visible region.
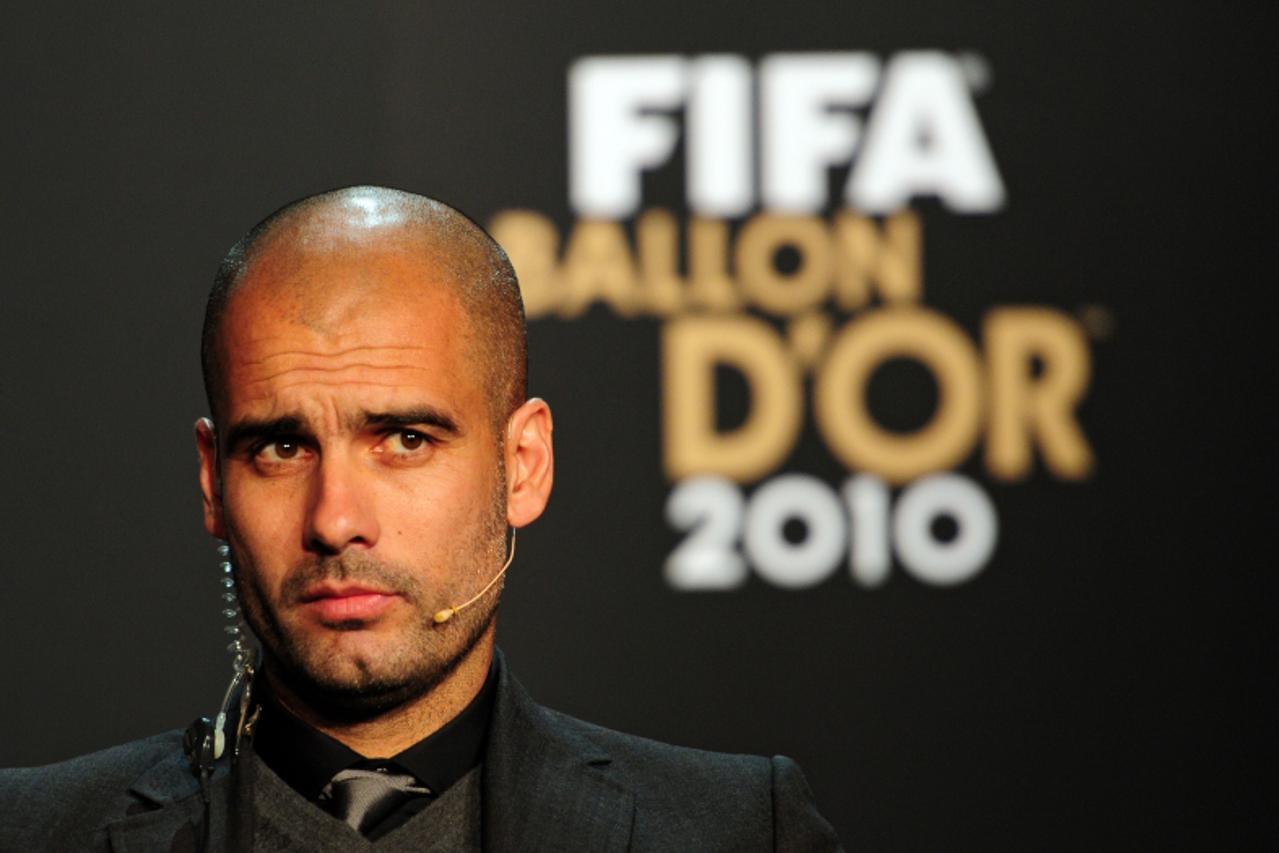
(361, 479)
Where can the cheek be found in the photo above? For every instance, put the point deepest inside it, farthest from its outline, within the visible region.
(264, 523)
(248, 494)
(439, 507)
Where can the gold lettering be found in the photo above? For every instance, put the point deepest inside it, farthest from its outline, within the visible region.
(598, 266)
(691, 347)
(1024, 407)
(776, 292)
(657, 235)
(839, 397)
(808, 336)
(709, 283)
(866, 258)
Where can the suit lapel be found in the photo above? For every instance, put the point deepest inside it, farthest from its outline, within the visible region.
(546, 788)
(175, 821)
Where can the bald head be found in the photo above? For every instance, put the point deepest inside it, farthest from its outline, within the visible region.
(356, 222)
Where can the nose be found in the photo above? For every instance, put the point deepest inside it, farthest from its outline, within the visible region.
(340, 514)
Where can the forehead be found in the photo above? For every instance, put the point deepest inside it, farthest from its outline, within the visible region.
(346, 324)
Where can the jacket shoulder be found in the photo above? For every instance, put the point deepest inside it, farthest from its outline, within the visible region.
(67, 805)
(642, 756)
(693, 798)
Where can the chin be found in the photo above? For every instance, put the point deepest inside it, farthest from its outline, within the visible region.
(357, 683)
(352, 680)
(355, 700)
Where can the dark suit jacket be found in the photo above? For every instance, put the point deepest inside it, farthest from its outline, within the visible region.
(550, 782)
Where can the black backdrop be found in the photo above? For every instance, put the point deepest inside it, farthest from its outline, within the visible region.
(1098, 683)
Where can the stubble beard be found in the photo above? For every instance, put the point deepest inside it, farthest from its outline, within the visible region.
(358, 687)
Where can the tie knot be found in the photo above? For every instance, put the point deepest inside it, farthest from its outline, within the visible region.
(363, 796)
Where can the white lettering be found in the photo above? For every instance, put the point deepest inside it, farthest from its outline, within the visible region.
(922, 553)
(801, 498)
(711, 508)
(922, 135)
(923, 138)
(719, 142)
(801, 136)
(611, 139)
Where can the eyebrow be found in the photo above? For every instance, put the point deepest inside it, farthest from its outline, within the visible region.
(248, 430)
(252, 430)
(419, 416)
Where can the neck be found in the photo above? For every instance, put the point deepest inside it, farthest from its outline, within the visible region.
(404, 725)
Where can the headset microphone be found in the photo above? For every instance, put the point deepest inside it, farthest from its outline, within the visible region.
(442, 616)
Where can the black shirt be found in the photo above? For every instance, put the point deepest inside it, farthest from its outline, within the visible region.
(308, 759)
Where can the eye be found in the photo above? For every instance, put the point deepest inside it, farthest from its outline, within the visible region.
(410, 440)
(405, 443)
(279, 450)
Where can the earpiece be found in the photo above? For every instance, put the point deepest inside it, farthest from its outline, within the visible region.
(205, 741)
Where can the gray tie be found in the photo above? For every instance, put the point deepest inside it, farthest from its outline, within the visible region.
(362, 798)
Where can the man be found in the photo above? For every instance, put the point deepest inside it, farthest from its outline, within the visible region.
(369, 447)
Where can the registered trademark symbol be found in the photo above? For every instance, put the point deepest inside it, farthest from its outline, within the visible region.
(976, 71)
(1098, 321)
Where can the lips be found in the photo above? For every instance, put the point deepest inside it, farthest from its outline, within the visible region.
(347, 603)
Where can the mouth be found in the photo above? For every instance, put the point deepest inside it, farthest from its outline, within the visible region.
(344, 603)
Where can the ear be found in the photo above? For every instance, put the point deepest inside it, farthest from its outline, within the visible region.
(206, 444)
(530, 462)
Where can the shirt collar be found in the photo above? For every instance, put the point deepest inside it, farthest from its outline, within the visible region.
(307, 759)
